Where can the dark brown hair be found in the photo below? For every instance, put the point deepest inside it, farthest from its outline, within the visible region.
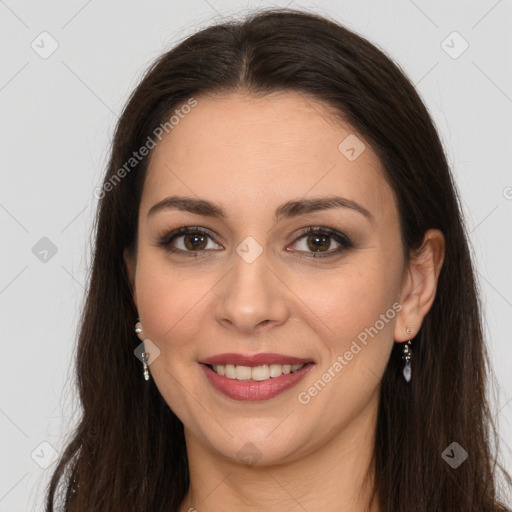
(128, 451)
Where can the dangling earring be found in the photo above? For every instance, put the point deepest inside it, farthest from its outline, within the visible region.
(144, 355)
(406, 357)
(145, 365)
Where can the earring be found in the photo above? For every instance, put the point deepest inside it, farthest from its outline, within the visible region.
(406, 357)
(144, 355)
(145, 365)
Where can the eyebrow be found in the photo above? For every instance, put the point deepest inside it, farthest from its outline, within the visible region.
(289, 209)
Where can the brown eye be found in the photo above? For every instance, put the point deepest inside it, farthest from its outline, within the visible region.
(322, 242)
(318, 242)
(188, 240)
(195, 241)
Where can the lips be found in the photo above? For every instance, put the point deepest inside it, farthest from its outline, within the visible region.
(263, 387)
(254, 359)
(252, 390)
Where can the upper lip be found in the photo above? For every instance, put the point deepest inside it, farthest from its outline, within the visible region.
(254, 359)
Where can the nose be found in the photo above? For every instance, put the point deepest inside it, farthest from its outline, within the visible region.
(252, 297)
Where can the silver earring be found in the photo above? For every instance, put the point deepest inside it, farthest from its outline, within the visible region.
(144, 355)
(406, 357)
(145, 365)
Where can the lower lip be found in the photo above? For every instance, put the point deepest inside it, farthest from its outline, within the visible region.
(251, 390)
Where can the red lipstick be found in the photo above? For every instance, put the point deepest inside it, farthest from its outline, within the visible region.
(254, 359)
(252, 390)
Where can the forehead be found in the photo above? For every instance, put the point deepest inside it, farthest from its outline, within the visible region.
(248, 149)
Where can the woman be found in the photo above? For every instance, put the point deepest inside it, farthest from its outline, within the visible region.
(279, 242)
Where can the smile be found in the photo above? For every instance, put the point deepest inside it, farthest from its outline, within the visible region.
(257, 373)
(254, 383)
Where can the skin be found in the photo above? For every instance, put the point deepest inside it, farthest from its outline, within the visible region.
(249, 155)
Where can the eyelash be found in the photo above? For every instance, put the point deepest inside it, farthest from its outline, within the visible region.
(341, 238)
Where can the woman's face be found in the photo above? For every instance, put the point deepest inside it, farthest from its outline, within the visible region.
(255, 282)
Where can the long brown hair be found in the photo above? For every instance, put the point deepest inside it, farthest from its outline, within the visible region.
(128, 452)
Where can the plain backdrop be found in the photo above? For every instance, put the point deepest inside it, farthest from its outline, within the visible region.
(67, 68)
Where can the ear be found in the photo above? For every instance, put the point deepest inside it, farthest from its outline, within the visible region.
(129, 262)
(420, 284)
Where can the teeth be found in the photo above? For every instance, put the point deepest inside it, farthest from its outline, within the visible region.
(243, 372)
(257, 373)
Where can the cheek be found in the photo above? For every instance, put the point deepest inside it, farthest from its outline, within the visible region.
(176, 306)
(349, 299)
(169, 305)
(168, 300)
(353, 320)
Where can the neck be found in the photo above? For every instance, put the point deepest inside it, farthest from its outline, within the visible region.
(334, 476)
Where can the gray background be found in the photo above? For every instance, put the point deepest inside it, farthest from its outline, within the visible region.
(58, 115)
